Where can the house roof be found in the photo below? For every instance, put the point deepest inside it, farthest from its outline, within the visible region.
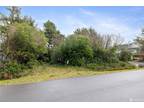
(133, 45)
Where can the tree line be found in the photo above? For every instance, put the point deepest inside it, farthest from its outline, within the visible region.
(23, 45)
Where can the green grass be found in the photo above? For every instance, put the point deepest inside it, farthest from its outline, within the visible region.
(46, 72)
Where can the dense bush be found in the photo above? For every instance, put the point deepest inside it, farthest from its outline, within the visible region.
(45, 57)
(32, 63)
(23, 57)
(104, 56)
(125, 56)
(24, 42)
(9, 70)
(75, 50)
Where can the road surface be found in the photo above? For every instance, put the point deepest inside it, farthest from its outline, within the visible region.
(116, 87)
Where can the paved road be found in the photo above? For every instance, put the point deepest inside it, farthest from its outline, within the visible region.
(126, 86)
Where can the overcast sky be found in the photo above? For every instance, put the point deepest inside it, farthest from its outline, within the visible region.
(126, 21)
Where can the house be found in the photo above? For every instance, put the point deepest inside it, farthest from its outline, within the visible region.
(133, 47)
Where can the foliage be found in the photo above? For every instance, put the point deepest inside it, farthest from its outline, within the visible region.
(104, 41)
(76, 50)
(95, 38)
(30, 64)
(14, 16)
(140, 40)
(24, 46)
(45, 57)
(102, 45)
(12, 69)
(125, 55)
(24, 42)
(105, 55)
(23, 57)
(51, 32)
(55, 38)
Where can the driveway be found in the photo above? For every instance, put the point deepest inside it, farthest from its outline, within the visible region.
(123, 86)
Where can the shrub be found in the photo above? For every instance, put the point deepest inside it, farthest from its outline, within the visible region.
(23, 57)
(32, 63)
(45, 57)
(11, 70)
(25, 41)
(76, 50)
(104, 56)
(125, 55)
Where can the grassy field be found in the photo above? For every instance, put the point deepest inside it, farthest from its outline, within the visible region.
(46, 72)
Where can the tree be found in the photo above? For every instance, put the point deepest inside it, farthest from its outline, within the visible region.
(98, 40)
(6, 21)
(15, 16)
(24, 42)
(117, 40)
(95, 38)
(104, 46)
(51, 32)
(75, 50)
(140, 40)
(28, 20)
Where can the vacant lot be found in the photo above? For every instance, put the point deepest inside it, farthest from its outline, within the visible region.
(46, 72)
